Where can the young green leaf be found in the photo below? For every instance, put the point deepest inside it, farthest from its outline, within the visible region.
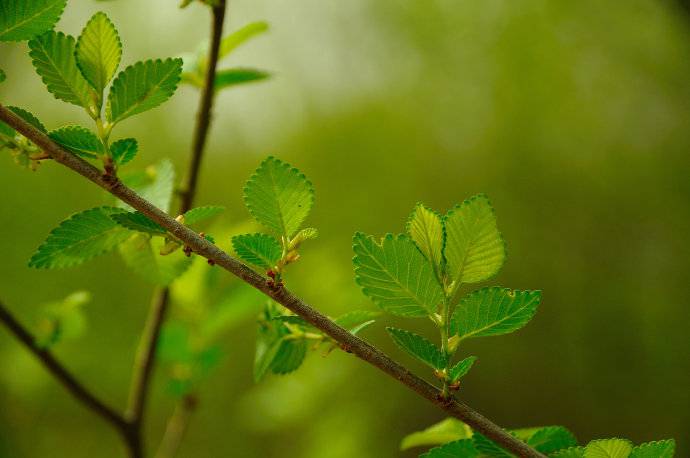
(289, 356)
(137, 221)
(447, 430)
(79, 140)
(463, 448)
(24, 19)
(98, 51)
(156, 185)
(356, 317)
(493, 311)
(141, 253)
(419, 347)
(236, 76)
(395, 275)
(53, 58)
(571, 452)
(124, 150)
(608, 448)
(551, 439)
(279, 196)
(426, 230)
(141, 87)
(656, 449)
(28, 117)
(198, 214)
(261, 250)
(240, 36)
(474, 250)
(461, 369)
(79, 238)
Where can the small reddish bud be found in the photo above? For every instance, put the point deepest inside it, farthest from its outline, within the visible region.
(211, 262)
(187, 250)
(271, 274)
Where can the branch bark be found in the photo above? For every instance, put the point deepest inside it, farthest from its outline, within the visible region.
(283, 296)
(61, 374)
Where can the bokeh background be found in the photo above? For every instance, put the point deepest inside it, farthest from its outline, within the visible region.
(574, 117)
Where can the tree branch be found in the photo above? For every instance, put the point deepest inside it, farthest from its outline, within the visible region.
(58, 371)
(283, 296)
(146, 354)
(177, 427)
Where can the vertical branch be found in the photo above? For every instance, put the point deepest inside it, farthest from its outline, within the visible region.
(177, 427)
(146, 353)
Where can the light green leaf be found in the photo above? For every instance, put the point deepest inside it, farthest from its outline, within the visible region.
(419, 347)
(487, 448)
(356, 317)
(137, 221)
(53, 58)
(461, 369)
(572, 452)
(551, 438)
(289, 356)
(447, 430)
(279, 196)
(79, 140)
(198, 214)
(493, 311)
(608, 448)
(475, 250)
(463, 448)
(79, 238)
(156, 185)
(24, 19)
(141, 253)
(261, 250)
(395, 275)
(28, 117)
(656, 449)
(240, 36)
(124, 150)
(426, 230)
(63, 320)
(236, 76)
(98, 51)
(361, 327)
(141, 87)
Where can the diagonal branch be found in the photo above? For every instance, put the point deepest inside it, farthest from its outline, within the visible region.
(68, 380)
(201, 246)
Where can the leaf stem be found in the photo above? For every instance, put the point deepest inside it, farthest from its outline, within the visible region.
(283, 296)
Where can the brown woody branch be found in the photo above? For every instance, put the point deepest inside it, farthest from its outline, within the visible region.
(283, 296)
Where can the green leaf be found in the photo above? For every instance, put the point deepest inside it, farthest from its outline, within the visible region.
(79, 140)
(475, 250)
(137, 221)
(419, 347)
(124, 150)
(493, 311)
(608, 448)
(28, 117)
(63, 320)
(487, 448)
(198, 214)
(572, 452)
(302, 236)
(240, 36)
(461, 369)
(24, 19)
(657, 449)
(551, 438)
(279, 197)
(156, 185)
(53, 58)
(98, 51)
(463, 448)
(79, 238)
(261, 250)
(141, 253)
(236, 76)
(426, 230)
(141, 87)
(447, 430)
(356, 317)
(395, 275)
(289, 356)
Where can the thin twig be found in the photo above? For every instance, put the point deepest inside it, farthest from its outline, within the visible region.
(204, 248)
(81, 393)
(177, 427)
(146, 353)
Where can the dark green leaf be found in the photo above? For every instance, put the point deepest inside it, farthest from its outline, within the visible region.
(419, 347)
(236, 76)
(124, 150)
(137, 221)
(24, 19)
(460, 369)
(198, 214)
(79, 140)
(657, 449)
(463, 448)
(261, 250)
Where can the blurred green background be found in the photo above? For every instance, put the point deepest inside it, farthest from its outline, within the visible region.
(574, 117)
